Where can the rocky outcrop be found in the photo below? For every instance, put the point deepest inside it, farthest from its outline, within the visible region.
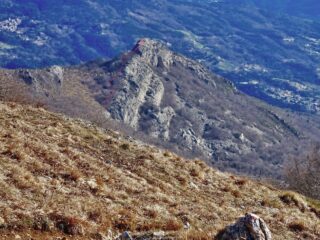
(176, 99)
(125, 236)
(154, 53)
(140, 85)
(48, 81)
(250, 227)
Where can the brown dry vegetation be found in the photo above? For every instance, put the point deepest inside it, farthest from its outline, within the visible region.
(64, 176)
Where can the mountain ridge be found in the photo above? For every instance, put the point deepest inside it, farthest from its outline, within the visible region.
(176, 102)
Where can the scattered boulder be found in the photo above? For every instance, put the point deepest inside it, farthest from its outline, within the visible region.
(125, 236)
(249, 227)
(159, 234)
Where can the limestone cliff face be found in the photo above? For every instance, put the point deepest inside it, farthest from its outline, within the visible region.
(140, 97)
(177, 100)
(141, 87)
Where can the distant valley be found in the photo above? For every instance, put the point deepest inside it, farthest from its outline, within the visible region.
(269, 49)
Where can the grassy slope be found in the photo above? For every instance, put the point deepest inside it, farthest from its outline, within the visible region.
(66, 170)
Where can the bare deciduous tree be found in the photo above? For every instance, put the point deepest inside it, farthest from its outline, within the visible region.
(12, 91)
(303, 175)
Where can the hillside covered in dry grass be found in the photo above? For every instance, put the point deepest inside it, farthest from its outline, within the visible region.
(66, 177)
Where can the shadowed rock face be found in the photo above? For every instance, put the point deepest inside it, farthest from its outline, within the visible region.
(175, 100)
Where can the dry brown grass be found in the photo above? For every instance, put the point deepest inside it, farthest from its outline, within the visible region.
(297, 226)
(197, 235)
(62, 176)
(293, 198)
(172, 225)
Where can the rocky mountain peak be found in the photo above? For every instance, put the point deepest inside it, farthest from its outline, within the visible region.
(154, 52)
(148, 44)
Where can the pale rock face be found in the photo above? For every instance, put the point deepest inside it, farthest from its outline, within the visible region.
(190, 138)
(250, 227)
(142, 86)
(164, 118)
(138, 88)
(48, 80)
(57, 73)
(155, 53)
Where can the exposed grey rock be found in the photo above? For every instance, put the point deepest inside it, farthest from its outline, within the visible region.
(155, 53)
(56, 73)
(48, 81)
(125, 236)
(250, 227)
(175, 99)
(153, 236)
(159, 234)
(140, 85)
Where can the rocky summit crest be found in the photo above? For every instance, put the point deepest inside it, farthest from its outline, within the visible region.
(154, 52)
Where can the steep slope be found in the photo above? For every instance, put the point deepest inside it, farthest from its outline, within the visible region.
(63, 175)
(267, 54)
(177, 101)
